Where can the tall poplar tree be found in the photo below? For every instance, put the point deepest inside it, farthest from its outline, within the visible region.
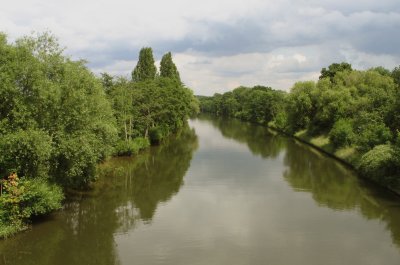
(145, 68)
(168, 68)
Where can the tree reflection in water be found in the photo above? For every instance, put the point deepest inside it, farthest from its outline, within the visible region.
(331, 184)
(127, 193)
(335, 186)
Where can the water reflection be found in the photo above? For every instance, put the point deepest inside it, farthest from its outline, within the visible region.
(127, 194)
(258, 139)
(279, 203)
(331, 184)
(151, 178)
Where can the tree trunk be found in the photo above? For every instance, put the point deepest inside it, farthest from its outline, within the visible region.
(126, 132)
(130, 128)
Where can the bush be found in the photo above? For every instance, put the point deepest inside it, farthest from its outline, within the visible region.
(128, 148)
(373, 134)
(40, 198)
(379, 164)
(25, 199)
(342, 133)
(156, 135)
(141, 142)
(75, 161)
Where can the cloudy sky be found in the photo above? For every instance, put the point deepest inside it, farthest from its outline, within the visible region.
(218, 44)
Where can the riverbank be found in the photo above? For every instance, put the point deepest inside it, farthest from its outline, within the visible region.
(353, 115)
(58, 136)
(346, 155)
(44, 201)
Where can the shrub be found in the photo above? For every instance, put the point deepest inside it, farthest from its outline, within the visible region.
(128, 148)
(371, 131)
(28, 198)
(75, 161)
(156, 135)
(379, 164)
(342, 133)
(373, 134)
(141, 142)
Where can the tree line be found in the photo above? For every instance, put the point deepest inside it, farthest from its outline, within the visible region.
(58, 120)
(352, 114)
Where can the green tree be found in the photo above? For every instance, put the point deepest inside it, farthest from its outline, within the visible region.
(333, 69)
(381, 70)
(145, 69)
(49, 102)
(168, 67)
(342, 133)
(396, 75)
(108, 81)
(301, 106)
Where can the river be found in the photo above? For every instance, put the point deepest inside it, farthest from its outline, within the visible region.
(219, 192)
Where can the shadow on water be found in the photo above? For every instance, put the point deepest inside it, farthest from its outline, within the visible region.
(127, 194)
(330, 183)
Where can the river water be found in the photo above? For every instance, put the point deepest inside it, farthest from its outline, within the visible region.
(221, 192)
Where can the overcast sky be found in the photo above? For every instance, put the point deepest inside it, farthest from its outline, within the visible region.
(218, 44)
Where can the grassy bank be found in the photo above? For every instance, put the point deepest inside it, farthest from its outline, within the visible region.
(348, 155)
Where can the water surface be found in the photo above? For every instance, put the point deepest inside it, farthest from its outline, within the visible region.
(223, 192)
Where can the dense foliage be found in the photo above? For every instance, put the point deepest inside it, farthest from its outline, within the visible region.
(55, 120)
(258, 104)
(58, 120)
(354, 114)
(23, 199)
(152, 107)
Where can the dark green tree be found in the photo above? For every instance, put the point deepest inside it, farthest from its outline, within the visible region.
(168, 68)
(396, 75)
(145, 69)
(108, 81)
(333, 69)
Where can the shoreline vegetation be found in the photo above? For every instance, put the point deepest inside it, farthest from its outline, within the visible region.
(351, 115)
(58, 121)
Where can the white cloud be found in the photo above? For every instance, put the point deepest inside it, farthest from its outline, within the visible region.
(218, 44)
(278, 69)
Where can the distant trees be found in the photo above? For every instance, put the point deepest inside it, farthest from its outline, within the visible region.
(257, 104)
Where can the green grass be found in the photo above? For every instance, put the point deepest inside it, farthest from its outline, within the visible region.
(322, 141)
(302, 135)
(347, 153)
